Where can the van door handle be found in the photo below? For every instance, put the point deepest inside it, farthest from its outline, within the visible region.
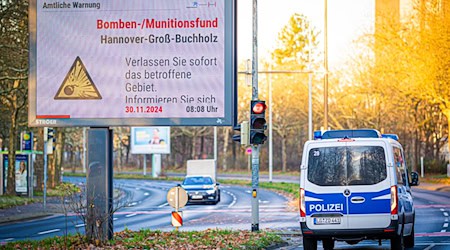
(358, 200)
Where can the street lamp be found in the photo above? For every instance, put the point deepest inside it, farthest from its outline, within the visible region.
(325, 53)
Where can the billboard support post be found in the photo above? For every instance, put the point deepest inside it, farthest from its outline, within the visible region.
(99, 186)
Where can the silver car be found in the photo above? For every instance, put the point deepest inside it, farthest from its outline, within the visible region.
(201, 189)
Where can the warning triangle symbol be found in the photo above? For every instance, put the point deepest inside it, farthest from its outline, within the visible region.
(78, 84)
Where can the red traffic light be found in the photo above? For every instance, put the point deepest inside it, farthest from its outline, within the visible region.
(259, 108)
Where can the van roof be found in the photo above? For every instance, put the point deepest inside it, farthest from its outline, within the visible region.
(352, 133)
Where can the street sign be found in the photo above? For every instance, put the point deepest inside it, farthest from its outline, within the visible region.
(177, 197)
(132, 63)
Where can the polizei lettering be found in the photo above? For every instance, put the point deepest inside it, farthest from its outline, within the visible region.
(196, 38)
(326, 207)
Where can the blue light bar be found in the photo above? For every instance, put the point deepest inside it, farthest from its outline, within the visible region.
(351, 133)
(391, 136)
(317, 135)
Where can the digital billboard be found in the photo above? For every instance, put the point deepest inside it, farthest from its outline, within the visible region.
(136, 63)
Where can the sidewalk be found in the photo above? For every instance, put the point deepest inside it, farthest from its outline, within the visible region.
(433, 187)
(31, 211)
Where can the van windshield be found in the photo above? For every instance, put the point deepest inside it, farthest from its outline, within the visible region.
(342, 166)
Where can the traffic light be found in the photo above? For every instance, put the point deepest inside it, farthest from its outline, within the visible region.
(243, 137)
(257, 122)
(49, 137)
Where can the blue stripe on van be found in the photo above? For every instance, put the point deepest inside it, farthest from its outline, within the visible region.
(371, 205)
(337, 203)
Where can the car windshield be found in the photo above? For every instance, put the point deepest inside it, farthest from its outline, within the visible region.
(198, 180)
(341, 166)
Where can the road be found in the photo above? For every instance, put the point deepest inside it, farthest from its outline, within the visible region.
(147, 208)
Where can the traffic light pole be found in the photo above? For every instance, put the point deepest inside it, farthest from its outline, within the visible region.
(45, 169)
(255, 148)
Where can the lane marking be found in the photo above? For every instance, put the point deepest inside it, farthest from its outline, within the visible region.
(442, 210)
(131, 215)
(146, 194)
(49, 231)
(234, 198)
(445, 214)
(163, 205)
(445, 225)
(9, 239)
(80, 225)
(115, 219)
(430, 247)
(443, 231)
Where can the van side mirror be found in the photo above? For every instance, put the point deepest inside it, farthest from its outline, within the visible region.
(414, 179)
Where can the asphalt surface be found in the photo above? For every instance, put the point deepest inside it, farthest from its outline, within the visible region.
(37, 210)
(53, 205)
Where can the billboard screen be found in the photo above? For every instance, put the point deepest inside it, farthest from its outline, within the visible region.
(136, 63)
(150, 140)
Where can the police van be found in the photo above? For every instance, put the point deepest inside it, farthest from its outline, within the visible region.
(354, 185)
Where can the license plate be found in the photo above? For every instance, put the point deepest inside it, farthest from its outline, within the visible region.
(197, 196)
(327, 220)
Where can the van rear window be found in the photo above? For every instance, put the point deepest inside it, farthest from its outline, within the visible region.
(343, 166)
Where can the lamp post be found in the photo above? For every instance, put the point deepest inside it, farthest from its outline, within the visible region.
(325, 85)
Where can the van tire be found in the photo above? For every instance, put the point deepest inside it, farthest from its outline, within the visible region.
(328, 244)
(309, 243)
(397, 243)
(409, 240)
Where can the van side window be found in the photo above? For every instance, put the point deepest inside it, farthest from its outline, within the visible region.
(399, 163)
(341, 166)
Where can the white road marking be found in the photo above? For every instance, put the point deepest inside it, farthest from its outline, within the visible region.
(234, 199)
(9, 239)
(442, 210)
(445, 225)
(49, 231)
(146, 194)
(115, 219)
(79, 225)
(430, 247)
(445, 214)
(130, 215)
(163, 205)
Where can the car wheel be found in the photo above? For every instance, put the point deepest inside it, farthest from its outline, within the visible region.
(218, 198)
(328, 244)
(397, 243)
(409, 240)
(309, 243)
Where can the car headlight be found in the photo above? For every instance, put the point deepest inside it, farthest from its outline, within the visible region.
(211, 191)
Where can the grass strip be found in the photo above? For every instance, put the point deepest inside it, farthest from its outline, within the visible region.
(151, 239)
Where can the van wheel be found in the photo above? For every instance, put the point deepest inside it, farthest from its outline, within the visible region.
(409, 240)
(397, 243)
(309, 243)
(328, 244)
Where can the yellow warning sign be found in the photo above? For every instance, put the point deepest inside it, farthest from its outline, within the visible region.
(78, 84)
